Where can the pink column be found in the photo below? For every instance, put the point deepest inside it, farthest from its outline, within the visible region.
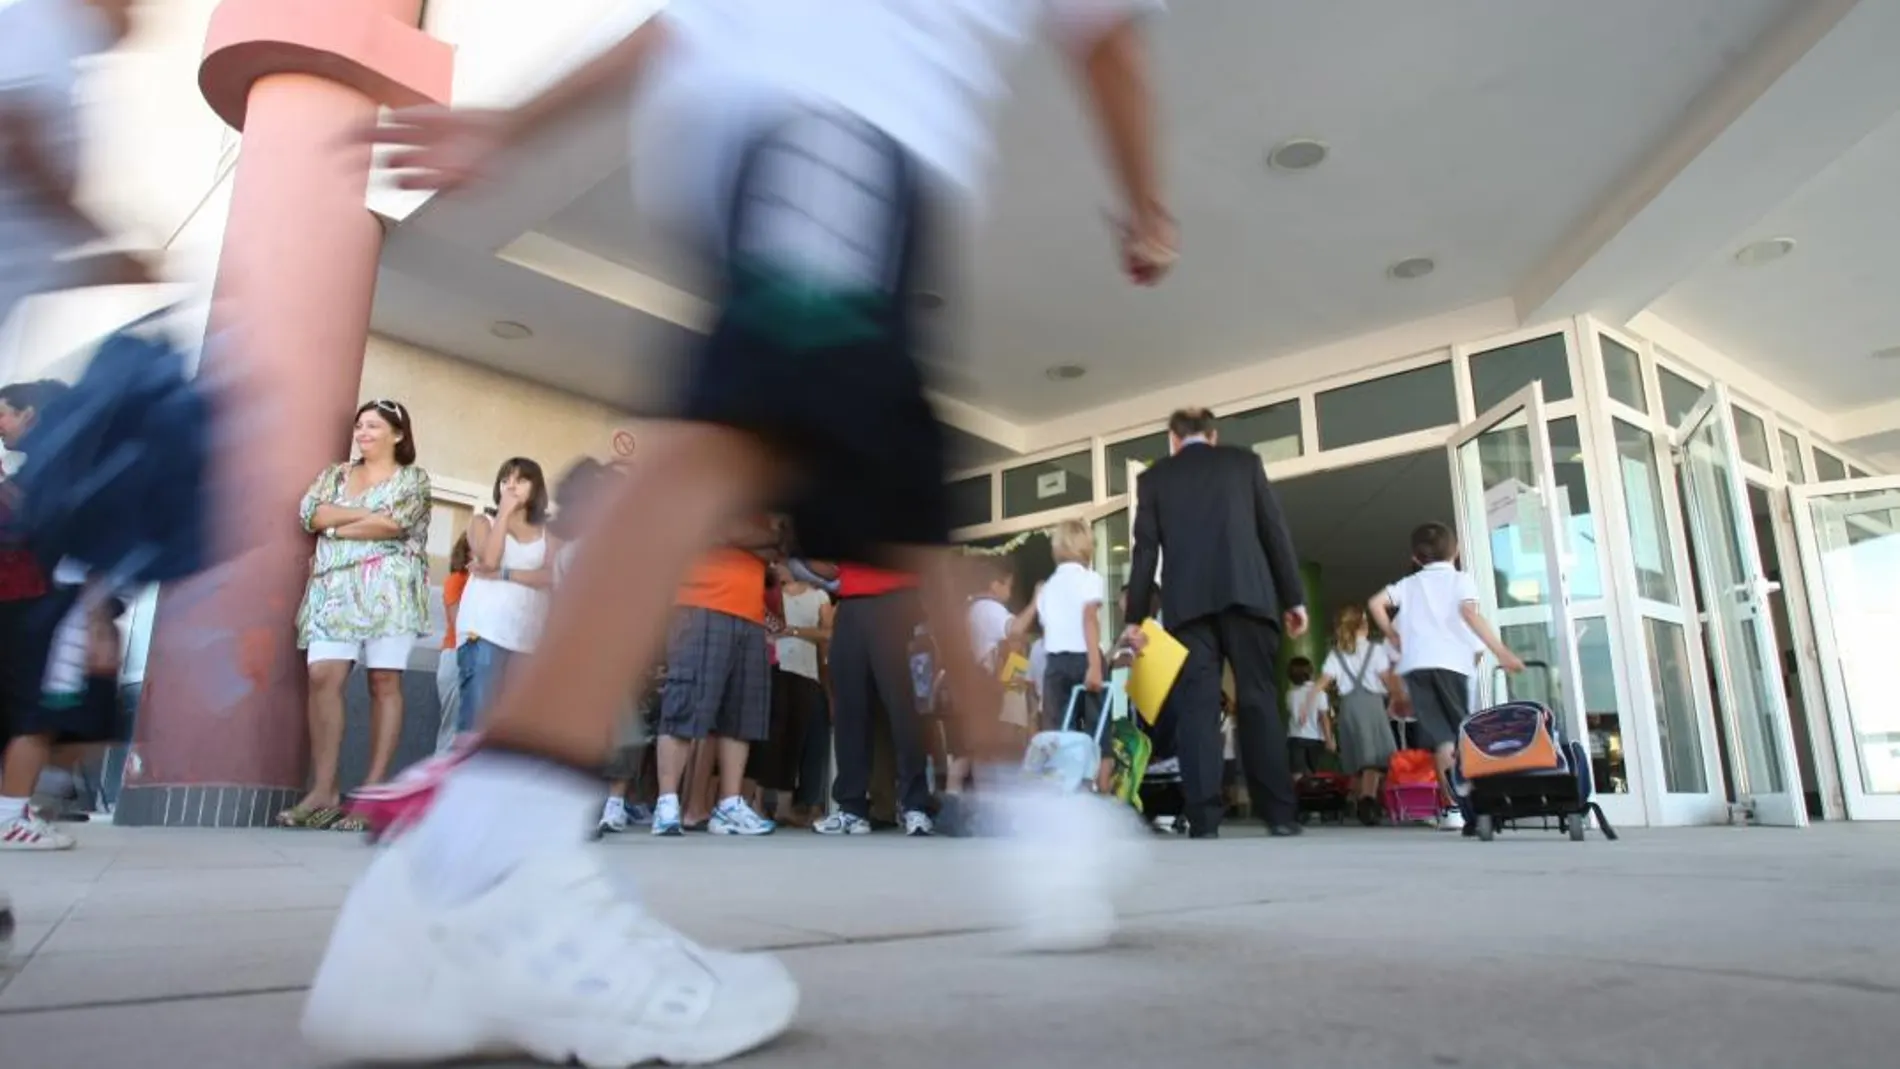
(221, 736)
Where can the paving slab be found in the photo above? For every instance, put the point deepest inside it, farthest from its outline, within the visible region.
(1348, 947)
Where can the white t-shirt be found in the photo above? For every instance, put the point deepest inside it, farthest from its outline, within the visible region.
(1372, 657)
(41, 45)
(1431, 626)
(799, 656)
(989, 627)
(1064, 600)
(926, 72)
(1305, 722)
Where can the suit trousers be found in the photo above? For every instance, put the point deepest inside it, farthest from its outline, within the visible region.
(870, 676)
(1250, 644)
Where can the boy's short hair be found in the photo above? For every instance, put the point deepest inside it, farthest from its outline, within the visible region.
(1299, 670)
(1073, 541)
(1433, 543)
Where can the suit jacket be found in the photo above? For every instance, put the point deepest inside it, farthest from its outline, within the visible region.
(1210, 512)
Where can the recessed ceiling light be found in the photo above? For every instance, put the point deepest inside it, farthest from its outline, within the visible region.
(1296, 154)
(1413, 267)
(1066, 372)
(1764, 252)
(928, 300)
(509, 330)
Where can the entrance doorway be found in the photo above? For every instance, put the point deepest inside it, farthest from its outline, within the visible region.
(1787, 660)
(1734, 592)
(1849, 537)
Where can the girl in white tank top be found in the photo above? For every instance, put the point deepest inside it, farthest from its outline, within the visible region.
(510, 571)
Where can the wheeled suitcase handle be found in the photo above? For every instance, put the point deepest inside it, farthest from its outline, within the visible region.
(1500, 680)
(1101, 722)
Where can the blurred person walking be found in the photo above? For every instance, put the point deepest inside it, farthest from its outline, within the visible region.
(800, 143)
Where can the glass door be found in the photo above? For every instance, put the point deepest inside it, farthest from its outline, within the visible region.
(1735, 614)
(1849, 535)
(1511, 528)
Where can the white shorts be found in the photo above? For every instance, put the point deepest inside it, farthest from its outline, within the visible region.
(387, 651)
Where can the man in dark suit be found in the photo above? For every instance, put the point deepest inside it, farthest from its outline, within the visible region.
(1233, 582)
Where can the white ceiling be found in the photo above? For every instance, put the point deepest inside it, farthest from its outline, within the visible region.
(1846, 223)
(1504, 138)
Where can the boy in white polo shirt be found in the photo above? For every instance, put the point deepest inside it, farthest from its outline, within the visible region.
(1438, 629)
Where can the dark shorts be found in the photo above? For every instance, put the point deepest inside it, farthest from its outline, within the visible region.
(813, 346)
(27, 629)
(1441, 700)
(718, 680)
(1305, 755)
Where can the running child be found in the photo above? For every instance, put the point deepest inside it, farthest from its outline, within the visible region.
(798, 143)
(1439, 628)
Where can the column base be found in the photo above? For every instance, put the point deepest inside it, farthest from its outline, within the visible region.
(196, 806)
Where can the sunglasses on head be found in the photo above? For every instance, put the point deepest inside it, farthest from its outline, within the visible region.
(393, 407)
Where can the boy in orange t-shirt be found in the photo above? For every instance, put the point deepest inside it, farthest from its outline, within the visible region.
(718, 679)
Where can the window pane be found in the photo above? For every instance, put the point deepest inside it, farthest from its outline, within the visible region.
(969, 501)
(1111, 559)
(1517, 551)
(1794, 470)
(1047, 484)
(1679, 395)
(1147, 449)
(1623, 373)
(1566, 450)
(1643, 509)
(1499, 373)
(1397, 404)
(1272, 432)
(1683, 770)
(1856, 473)
(1828, 467)
(1752, 435)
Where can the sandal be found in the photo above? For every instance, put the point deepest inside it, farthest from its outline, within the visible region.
(347, 822)
(312, 818)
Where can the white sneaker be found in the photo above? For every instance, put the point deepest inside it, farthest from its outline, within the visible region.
(666, 818)
(918, 823)
(1059, 864)
(842, 823)
(734, 817)
(613, 816)
(1452, 820)
(552, 962)
(31, 833)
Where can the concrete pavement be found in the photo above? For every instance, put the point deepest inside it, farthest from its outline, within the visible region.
(1349, 947)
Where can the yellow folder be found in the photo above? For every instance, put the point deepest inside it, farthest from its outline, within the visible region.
(1155, 670)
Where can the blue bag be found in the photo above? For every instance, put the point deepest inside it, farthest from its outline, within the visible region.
(117, 476)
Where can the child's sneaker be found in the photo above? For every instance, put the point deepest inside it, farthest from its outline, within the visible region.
(552, 962)
(917, 823)
(1059, 862)
(842, 823)
(28, 832)
(734, 817)
(1451, 820)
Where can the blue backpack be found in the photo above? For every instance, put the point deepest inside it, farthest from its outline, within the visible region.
(116, 476)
